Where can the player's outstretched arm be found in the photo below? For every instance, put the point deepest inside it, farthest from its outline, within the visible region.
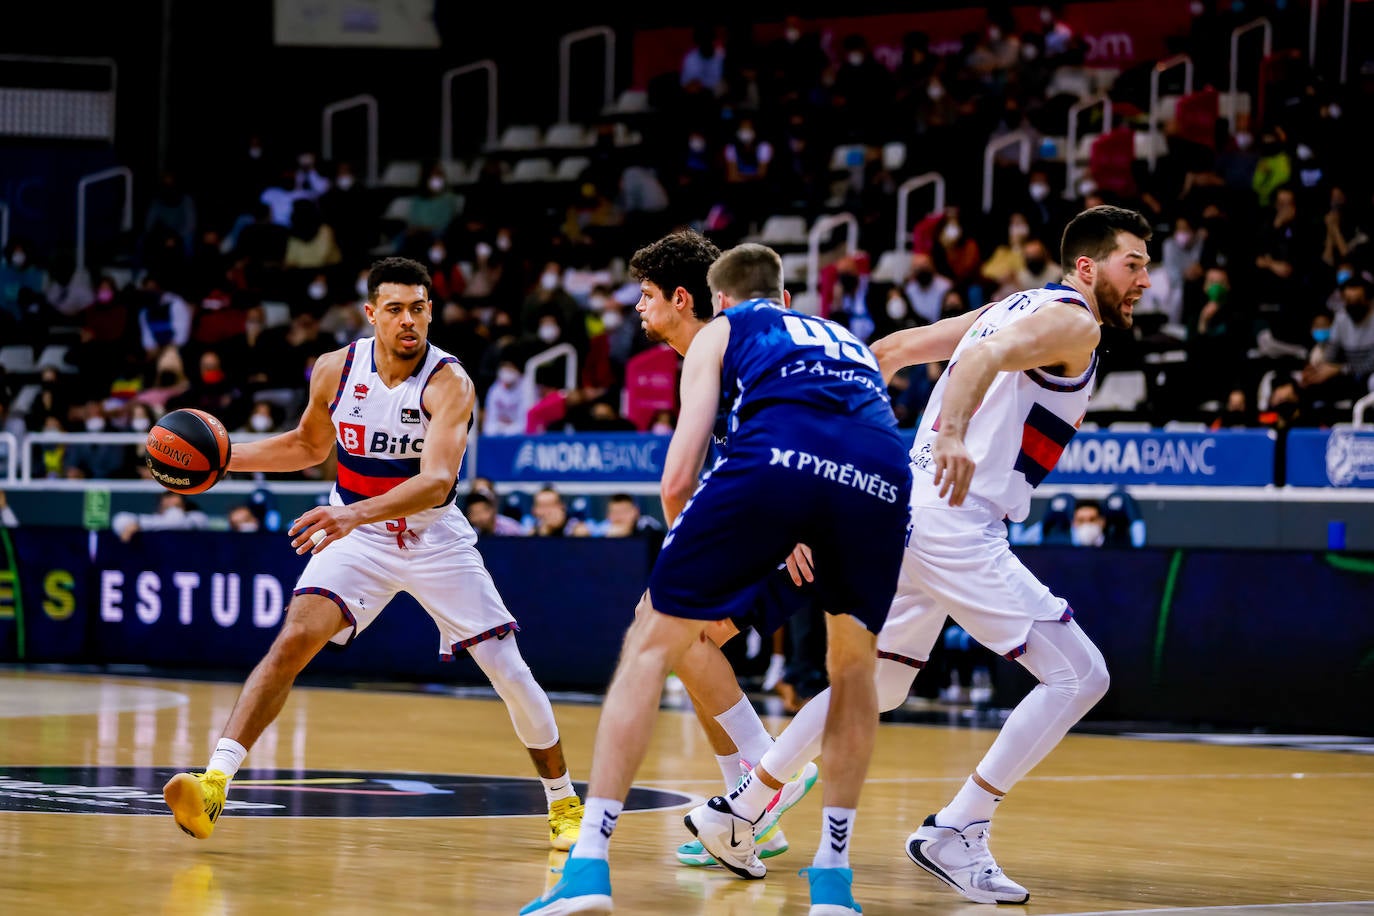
(309, 443)
(928, 344)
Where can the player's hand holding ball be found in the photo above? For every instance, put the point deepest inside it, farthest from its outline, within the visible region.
(188, 450)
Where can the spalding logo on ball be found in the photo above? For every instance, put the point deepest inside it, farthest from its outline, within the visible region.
(188, 450)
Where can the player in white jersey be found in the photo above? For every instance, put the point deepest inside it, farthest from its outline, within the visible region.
(398, 409)
(1017, 385)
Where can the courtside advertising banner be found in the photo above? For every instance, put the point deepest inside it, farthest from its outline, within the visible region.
(578, 458)
(1225, 458)
(1342, 456)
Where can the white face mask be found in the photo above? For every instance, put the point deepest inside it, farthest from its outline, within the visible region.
(18, 259)
(317, 291)
(1088, 534)
(436, 254)
(1183, 238)
(344, 182)
(1039, 191)
(855, 59)
(1243, 140)
(246, 527)
(361, 287)
(548, 332)
(696, 144)
(896, 309)
(508, 375)
(436, 183)
(935, 91)
(950, 233)
(1086, 187)
(611, 320)
(483, 250)
(1334, 111)
(661, 429)
(140, 424)
(259, 423)
(994, 34)
(549, 280)
(745, 136)
(95, 424)
(1018, 230)
(502, 242)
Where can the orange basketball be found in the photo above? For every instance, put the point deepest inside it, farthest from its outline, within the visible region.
(188, 450)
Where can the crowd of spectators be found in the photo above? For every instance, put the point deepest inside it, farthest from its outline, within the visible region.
(226, 294)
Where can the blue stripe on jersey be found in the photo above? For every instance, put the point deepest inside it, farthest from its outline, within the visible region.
(446, 361)
(1044, 381)
(343, 377)
(1042, 442)
(369, 466)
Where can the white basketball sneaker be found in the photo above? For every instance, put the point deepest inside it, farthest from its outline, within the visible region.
(728, 837)
(961, 859)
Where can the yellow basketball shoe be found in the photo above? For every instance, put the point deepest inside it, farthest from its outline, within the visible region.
(196, 800)
(565, 822)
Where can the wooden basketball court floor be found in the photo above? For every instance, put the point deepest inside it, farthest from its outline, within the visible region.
(1106, 824)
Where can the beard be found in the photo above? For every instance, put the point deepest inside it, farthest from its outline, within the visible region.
(655, 336)
(1109, 306)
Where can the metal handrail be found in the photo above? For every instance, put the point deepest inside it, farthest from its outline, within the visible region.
(327, 130)
(127, 218)
(552, 353)
(1071, 157)
(990, 154)
(1158, 70)
(565, 67)
(11, 455)
(904, 192)
(1357, 413)
(1236, 33)
(820, 229)
(486, 65)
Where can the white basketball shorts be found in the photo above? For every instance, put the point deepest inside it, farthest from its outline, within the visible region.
(958, 564)
(442, 571)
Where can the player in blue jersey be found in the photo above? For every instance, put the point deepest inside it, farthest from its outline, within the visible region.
(674, 305)
(813, 456)
(395, 411)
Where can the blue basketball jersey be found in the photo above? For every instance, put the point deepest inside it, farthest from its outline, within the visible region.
(809, 453)
(778, 356)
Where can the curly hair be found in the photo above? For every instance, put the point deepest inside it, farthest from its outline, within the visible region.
(679, 259)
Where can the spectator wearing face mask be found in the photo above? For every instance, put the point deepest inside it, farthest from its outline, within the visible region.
(549, 299)
(1038, 269)
(432, 210)
(1089, 524)
(925, 288)
(507, 402)
(96, 460)
(243, 520)
(1343, 366)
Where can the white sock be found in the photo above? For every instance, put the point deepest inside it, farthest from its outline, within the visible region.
(971, 803)
(598, 822)
(751, 798)
(729, 768)
(558, 787)
(742, 723)
(837, 827)
(228, 757)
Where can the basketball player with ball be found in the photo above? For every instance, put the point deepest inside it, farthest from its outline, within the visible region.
(398, 410)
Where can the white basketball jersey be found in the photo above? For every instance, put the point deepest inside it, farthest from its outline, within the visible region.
(1025, 420)
(381, 435)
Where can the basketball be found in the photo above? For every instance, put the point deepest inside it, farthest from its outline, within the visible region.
(188, 451)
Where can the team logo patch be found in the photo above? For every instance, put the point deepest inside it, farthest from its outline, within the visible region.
(360, 391)
(410, 415)
(296, 793)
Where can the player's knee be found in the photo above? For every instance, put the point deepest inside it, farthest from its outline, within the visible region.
(893, 680)
(1093, 684)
